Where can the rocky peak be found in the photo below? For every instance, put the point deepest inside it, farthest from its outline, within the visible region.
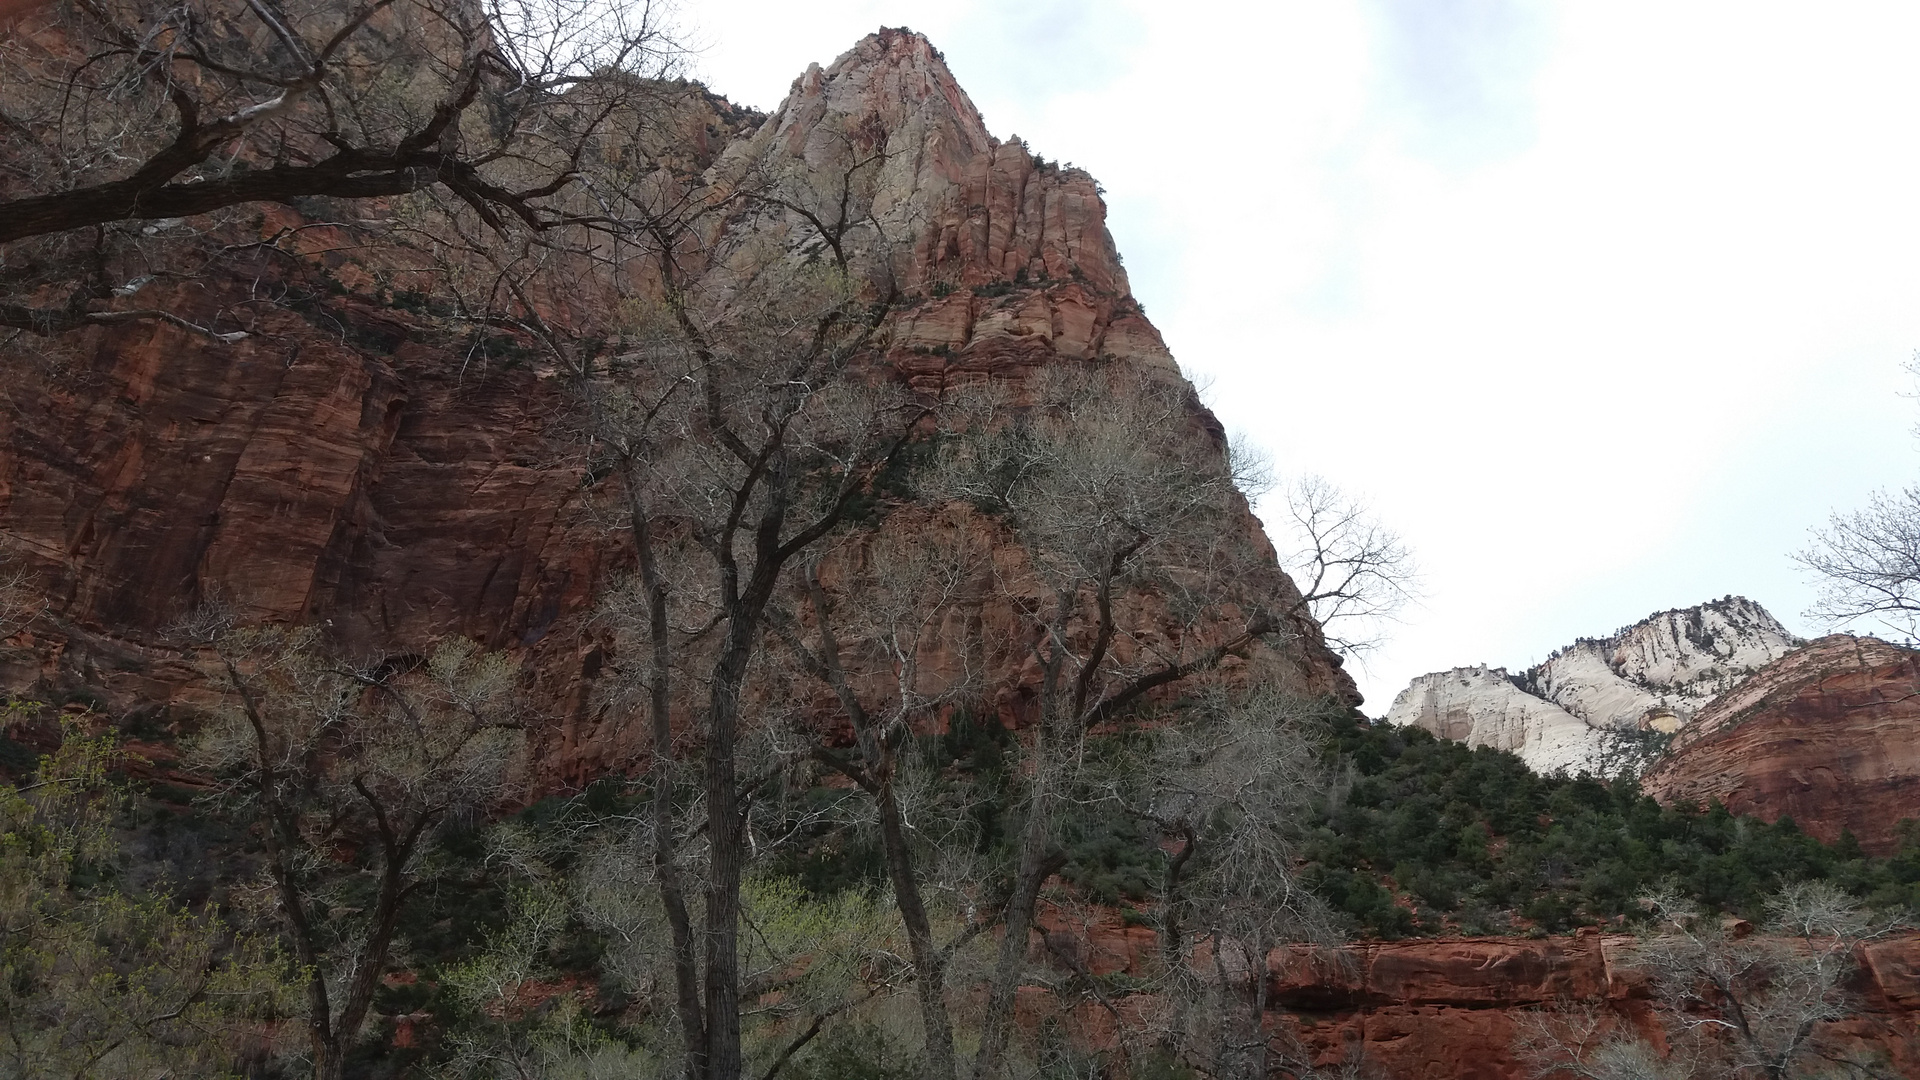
(980, 214)
(1582, 707)
(1661, 670)
(343, 466)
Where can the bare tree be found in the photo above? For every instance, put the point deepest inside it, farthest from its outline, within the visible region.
(347, 771)
(124, 111)
(1354, 573)
(20, 602)
(1734, 1003)
(743, 428)
(1230, 789)
(1586, 1043)
(899, 592)
(1138, 581)
(1868, 564)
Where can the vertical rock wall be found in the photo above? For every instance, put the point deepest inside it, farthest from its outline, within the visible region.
(343, 465)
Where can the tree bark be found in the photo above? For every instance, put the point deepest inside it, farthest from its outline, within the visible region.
(1039, 860)
(666, 870)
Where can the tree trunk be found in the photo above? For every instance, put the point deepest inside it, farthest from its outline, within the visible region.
(929, 969)
(666, 870)
(372, 961)
(1039, 859)
(725, 853)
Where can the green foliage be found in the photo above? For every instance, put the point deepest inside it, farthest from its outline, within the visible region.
(854, 1052)
(1428, 836)
(1110, 857)
(98, 982)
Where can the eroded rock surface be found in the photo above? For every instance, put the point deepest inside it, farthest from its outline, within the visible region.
(1484, 707)
(345, 465)
(1828, 735)
(1455, 1007)
(1571, 712)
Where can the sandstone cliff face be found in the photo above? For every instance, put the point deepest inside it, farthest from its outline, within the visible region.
(1454, 1008)
(344, 465)
(1483, 707)
(1569, 712)
(1829, 735)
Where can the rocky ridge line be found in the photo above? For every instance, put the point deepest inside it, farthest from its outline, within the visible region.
(1582, 708)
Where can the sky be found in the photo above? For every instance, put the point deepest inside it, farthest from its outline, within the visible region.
(1600, 306)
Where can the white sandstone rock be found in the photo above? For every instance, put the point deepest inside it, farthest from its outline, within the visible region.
(1482, 707)
(1572, 711)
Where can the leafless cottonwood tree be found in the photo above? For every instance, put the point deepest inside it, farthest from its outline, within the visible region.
(1868, 564)
(891, 617)
(1230, 788)
(1139, 580)
(741, 424)
(347, 771)
(1735, 1004)
(119, 112)
(1354, 573)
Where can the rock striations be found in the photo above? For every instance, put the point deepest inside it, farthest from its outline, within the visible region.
(1583, 707)
(346, 465)
(1828, 735)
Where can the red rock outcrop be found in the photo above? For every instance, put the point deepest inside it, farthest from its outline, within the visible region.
(344, 465)
(1828, 734)
(1453, 1008)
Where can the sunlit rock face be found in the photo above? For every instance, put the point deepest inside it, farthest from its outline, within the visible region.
(1483, 706)
(1672, 663)
(1583, 708)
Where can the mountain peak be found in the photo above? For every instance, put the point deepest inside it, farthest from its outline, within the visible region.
(893, 78)
(1652, 675)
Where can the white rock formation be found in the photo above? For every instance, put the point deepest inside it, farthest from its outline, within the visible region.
(1675, 661)
(1481, 706)
(1571, 712)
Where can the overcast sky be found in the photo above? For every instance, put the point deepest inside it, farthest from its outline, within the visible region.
(1601, 305)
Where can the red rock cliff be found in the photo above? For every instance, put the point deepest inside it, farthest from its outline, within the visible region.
(1828, 734)
(343, 465)
(1454, 1008)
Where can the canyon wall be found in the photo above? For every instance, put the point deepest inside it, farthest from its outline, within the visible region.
(1828, 735)
(345, 465)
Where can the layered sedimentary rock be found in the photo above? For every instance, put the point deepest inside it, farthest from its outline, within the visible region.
(1456, 1008)
(1828, 735)
(1570, 712)
(1671, 663)
(1484, 707)
(345, 465)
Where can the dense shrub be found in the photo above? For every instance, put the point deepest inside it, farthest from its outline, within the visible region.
(1421, 835)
